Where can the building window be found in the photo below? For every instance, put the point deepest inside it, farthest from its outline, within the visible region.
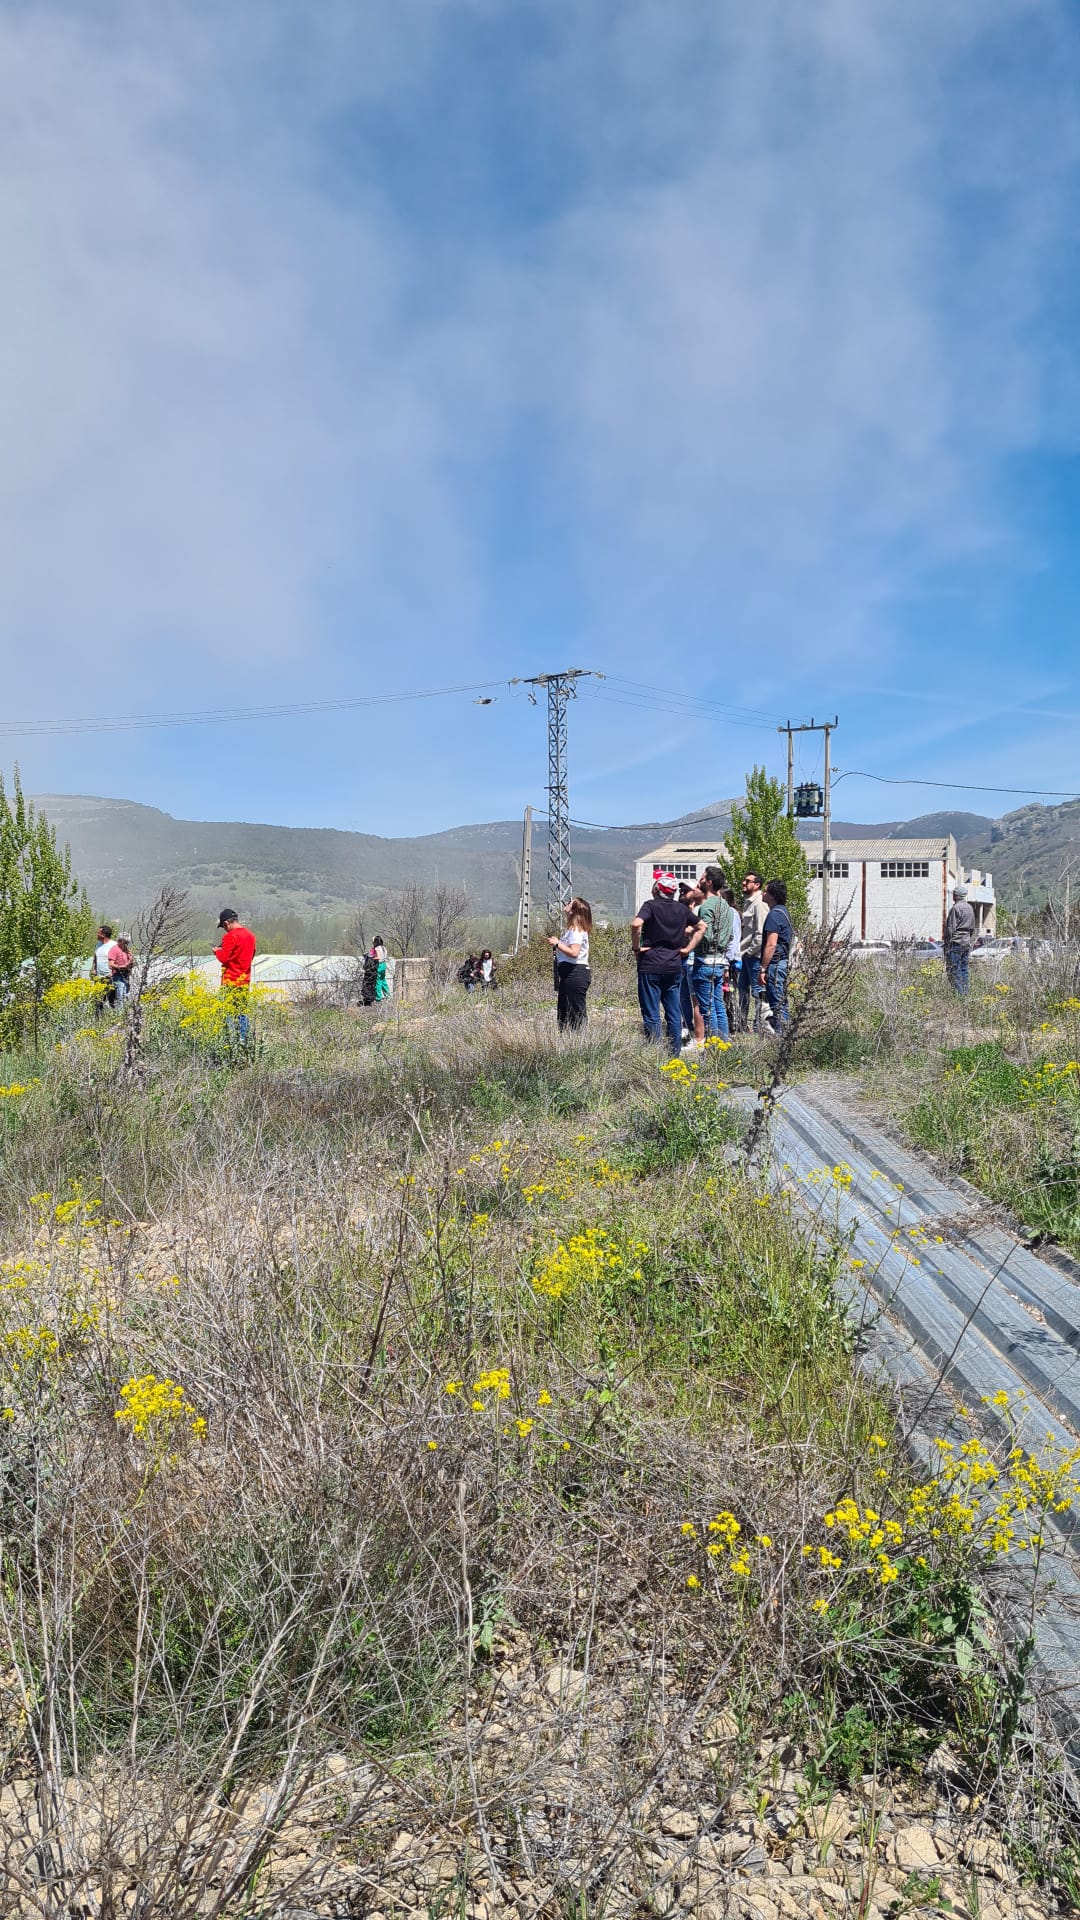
(682, 869)
(905, 869)
(838, 869)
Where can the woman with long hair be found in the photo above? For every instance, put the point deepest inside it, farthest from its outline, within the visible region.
(121, 962)
(573, 977)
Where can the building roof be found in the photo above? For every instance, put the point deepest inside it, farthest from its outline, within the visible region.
(684, 850)
(939, 849)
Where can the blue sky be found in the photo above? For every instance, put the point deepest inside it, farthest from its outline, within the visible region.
(353, 349)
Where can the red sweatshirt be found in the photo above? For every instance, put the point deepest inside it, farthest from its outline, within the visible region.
(236, 953)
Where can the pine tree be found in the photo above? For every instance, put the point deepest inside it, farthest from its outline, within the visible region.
(762, 840)
(45, 920)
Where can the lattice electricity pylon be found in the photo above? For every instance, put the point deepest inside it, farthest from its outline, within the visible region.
(560, 690)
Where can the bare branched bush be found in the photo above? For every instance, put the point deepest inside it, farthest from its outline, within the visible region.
(821, 986)
(402, 913)
(161, 933)
(448, 914)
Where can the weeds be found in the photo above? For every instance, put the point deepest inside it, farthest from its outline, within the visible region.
(339, 1388)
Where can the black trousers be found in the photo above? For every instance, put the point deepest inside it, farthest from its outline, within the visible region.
(572, 983)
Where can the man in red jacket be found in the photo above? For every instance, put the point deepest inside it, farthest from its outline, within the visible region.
(236, 953)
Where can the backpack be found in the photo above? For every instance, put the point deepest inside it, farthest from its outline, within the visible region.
(715, 944)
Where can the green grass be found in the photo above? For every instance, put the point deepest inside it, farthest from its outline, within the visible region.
(1012, 1129)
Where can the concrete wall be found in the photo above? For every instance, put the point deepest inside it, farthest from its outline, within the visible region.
(875, 908)
(843, 896)
(880, 909)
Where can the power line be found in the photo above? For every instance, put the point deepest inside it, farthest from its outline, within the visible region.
(641, 826)
(661, 700)
(713, 819)
(680, 708)
(958, 786)
(704, 700)
(124, 723)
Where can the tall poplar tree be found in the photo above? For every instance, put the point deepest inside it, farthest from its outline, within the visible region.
(45, 919)
(762, 840)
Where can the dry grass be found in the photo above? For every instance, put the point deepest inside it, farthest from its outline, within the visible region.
(343, 1562)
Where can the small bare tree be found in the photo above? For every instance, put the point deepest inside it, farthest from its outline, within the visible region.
(404, 914)
(823, 985)
(1060, 911)
(161, 932)
(448, 914)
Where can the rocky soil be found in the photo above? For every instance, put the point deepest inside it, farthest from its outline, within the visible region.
(594, 1799)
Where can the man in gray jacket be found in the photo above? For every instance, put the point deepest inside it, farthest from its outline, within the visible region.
(959, 935)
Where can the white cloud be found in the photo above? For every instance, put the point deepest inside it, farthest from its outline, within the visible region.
(790, 307)
(211, 414)
(798, 362)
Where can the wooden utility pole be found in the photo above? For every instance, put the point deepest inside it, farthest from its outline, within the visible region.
(825, 727)
(525, 896)
(826, 824)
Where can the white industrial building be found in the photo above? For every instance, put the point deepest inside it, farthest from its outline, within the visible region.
(686, 859)
(887, 890)
(890, 890)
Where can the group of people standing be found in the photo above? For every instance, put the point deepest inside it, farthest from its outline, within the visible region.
(377, 973)
(112, 963)
(705, 964)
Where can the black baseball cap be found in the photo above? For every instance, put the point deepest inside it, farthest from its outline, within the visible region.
(227, 913)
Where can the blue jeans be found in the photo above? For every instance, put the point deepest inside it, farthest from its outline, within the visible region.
(656, 990)
(237, 1018)
(956, 967)
(776, 993)
(750, 989)
(709, 989)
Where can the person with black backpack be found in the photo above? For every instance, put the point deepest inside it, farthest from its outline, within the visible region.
(710, 954)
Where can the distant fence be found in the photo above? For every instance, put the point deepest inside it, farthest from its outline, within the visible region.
(333, 977)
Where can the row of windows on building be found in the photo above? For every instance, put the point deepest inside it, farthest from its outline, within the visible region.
(890, 869)
(838, 869)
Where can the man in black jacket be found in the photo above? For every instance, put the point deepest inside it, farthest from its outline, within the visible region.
(663, 932)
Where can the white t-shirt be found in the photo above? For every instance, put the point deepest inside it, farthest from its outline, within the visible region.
(101, 958)
(578, 938)
(485, 968)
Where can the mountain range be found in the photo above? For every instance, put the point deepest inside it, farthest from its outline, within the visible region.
(122, 851)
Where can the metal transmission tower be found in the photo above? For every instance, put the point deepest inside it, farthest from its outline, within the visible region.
(561, 689)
